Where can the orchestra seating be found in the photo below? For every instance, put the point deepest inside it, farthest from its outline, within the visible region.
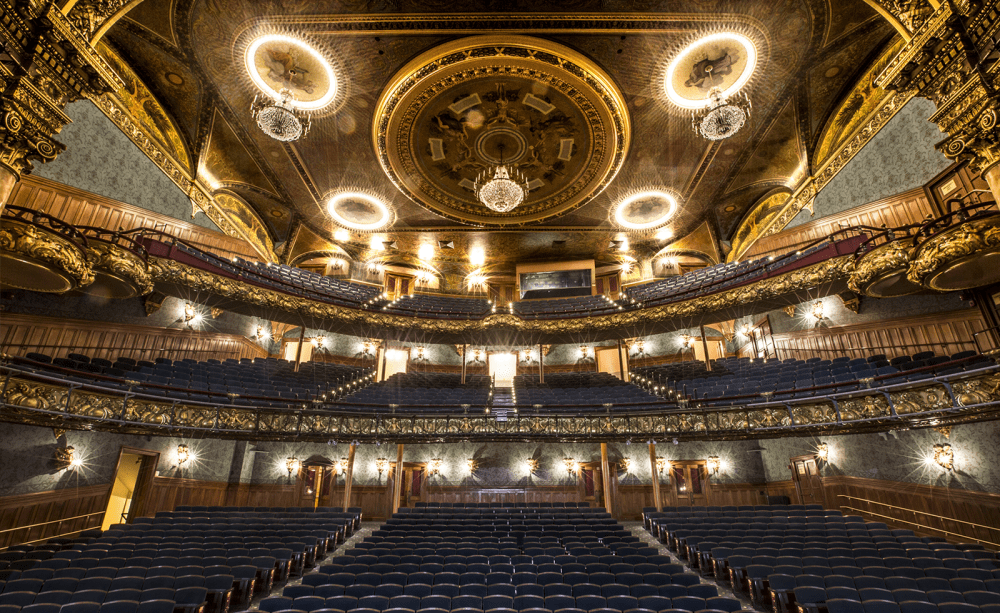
(210, 560)
(802, 558)
(501, 558)
(440, 389)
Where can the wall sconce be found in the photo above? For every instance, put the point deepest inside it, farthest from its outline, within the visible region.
(292, 465)
(584, 351)
(661, 464)
(477, 355)
(183, 455)
(944, 455)
(714, 464)
(341, 466)
(626, 464)
(262, 334)
(823, 452)
(65, 458)
(687, 341)
(570, 464)
(189, 312)
(435, 466)
(817, 310)
(419, 352)
(472, 465)
(381, 465)
(531, 465)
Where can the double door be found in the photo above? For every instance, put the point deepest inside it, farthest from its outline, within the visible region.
(689, 483)
(808, 482)
(413, 488)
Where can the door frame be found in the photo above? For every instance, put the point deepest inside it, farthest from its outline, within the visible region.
(795, 478)
(598, 499)
(704, 479)
(391, 483)
(143, 481)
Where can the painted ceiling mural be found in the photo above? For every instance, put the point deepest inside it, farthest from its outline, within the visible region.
(410, 105)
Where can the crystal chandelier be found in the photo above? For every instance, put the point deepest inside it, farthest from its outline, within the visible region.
(278, 119)
(504, 191)
(722, 117)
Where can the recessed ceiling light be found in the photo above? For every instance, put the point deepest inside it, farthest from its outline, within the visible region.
(305, 73)
(646, 210)
(359, 211)
(677, 82)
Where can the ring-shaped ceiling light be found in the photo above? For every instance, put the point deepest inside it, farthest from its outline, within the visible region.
(632, 219)
(283, 65)
(683, 62)
(378, 208)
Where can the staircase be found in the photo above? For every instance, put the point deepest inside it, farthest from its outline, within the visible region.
(503, 403)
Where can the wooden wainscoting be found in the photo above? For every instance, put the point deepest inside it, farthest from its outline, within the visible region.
(81, 208)
(632, 499)
(168, 493)
(942, 333)
(934, 507)
(737, 494)
(57, 337)
(782, 488)
(43, 515)
(899, 210)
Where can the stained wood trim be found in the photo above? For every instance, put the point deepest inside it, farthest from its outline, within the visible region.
(78, 207)
(60, 495)
(57, 336)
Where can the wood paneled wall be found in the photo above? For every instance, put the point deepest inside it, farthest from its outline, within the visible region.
(81, 208)
(942, 333)
(57, 337)
(899, 210)
(44, 515)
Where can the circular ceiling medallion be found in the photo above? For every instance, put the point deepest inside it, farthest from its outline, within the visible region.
(359, 211)
(646, 210)
(725, 61)
(474, 103)
(278, 62)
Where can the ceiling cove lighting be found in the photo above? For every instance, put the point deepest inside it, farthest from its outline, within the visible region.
(376, 210)
(646, 210)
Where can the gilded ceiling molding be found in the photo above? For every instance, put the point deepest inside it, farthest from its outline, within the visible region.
(805, 194)
(932, 404)
(628, 323)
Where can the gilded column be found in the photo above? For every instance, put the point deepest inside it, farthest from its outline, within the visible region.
(51, 63)
(946, 62)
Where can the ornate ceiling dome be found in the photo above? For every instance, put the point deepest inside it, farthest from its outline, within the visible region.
(543, 109)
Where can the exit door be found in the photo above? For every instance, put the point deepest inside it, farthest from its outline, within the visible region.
(690, 483)
(412, 490)
(808, 482)
(591, 483)
(317, 486)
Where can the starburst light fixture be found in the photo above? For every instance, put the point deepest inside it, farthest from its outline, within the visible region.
(504, 191)
(278, 118)
(723, 117)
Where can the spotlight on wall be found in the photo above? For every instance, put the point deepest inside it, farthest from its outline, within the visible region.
(183, 454)
(531, 465)
(65, 458)
(292, 465)
(472, 464)
(381, 465)
(570, 465)
(823, 452)
(661, 464)
(435, 466)
(714, 464)
(626, 463)
(944, 455)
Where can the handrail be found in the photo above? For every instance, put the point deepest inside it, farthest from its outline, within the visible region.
(914, 523)
(53, 521)
(117, 238)
(54, 224)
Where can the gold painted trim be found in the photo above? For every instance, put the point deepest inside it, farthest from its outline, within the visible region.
(26, 240)
(522, 56)
(120, 263)
(617, 325)
(884, 259)
(49, 404)
(967, 240)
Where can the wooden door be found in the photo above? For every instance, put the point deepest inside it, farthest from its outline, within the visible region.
(316, 486)
(590, 483)
(690, 483)
(808, 482)
(414, 487)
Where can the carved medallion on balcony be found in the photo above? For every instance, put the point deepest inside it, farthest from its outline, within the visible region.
(881, 272)
(118, 273)
(962, 257)
(38, 258)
